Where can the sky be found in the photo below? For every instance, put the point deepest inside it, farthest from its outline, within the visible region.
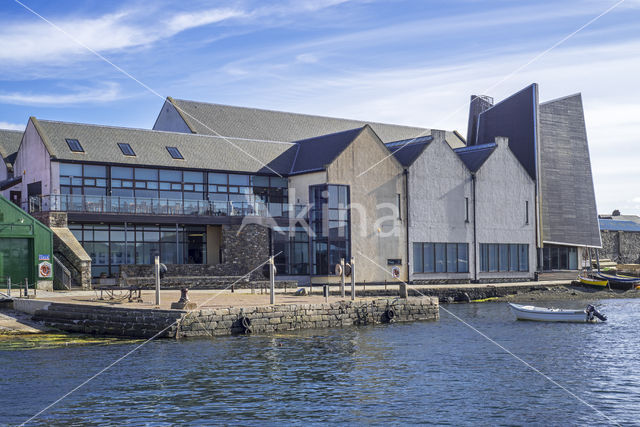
(413, 62)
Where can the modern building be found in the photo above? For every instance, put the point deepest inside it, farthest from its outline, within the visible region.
(221, 188)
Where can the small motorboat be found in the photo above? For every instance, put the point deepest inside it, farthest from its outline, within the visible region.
(619, 282)
(596, 283)
(543, 314)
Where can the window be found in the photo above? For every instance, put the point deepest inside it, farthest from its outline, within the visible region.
(74, 145)
(399, 206)
(559, 258)
(526, 212)
(175, 153)
(126, 149)
(440, 258)
(503, 257)
(329, 219)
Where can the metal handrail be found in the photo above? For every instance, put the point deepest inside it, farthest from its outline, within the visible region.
(158, 206)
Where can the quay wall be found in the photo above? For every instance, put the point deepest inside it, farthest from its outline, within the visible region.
(146, 323)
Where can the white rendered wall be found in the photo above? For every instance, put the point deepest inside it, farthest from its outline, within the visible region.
(503, 188)
(33, 162)
(439, 182)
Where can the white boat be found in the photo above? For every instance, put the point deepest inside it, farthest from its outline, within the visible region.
(542, 314)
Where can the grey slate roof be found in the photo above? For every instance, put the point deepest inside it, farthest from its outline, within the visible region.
(9, 144)
(199, 151)
(569, 213)
(314, 154)
(408, 150)
(618, 225)
(268, 125)
(475, 156)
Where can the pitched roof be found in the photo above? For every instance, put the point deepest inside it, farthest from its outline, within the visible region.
(618, 225)
(9, 144)
(475, 155)
(315, 154)
(408, 150)
(267, 125)
(199, 151)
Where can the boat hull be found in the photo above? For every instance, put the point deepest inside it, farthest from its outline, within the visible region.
(539, 314)
(596, 283)
(618, 282)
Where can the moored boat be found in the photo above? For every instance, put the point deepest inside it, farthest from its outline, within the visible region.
(596, 283)
(619, 282)
(543, 314)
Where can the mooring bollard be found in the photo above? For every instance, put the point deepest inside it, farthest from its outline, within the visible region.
(403, 290)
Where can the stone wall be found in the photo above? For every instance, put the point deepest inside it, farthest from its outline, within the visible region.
(207, 282)
(51, 219)
(145, 323)
(242, 251)
(116, 321)
(622, 247)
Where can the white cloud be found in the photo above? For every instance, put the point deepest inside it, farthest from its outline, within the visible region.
(185, 21)
(307, 58)
(37, 41)
(11, 126)
(109, 92)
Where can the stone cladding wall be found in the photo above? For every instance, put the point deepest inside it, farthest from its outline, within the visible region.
(145, 323)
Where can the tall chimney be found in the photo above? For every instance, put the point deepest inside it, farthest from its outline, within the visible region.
(477, 105)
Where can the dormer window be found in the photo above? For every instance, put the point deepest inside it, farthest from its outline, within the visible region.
(175, 153)
(74, 145)
(126, 149)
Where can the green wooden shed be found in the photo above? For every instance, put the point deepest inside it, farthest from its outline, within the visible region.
(26, 248)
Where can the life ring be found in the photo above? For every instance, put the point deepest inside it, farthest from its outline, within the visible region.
(395, 271)
(45, 269)
(338, 270)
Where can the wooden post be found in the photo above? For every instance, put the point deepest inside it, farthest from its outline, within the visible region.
(157, 270)
(353, 280)
(9, 286)
(26, 287)
(272, 281)
(342, 278)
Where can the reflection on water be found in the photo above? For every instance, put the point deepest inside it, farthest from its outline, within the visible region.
(432, 372)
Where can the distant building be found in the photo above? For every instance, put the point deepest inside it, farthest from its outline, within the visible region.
(620, 238)
(221, 188)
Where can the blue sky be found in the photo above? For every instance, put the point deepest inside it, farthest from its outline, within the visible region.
(398, 61)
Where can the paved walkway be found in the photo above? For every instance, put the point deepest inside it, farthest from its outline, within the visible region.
(244, 297)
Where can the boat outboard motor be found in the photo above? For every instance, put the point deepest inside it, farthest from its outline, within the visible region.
(591, 312)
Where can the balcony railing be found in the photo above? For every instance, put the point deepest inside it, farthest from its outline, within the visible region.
(148, 206)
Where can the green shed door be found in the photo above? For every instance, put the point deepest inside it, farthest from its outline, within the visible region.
(15, 259)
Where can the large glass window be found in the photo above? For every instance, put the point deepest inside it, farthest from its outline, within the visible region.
(440, 258)
(556, 257)
(244, 194)
(503, 257)
(291, 247)
(329, 219)
(112, 245)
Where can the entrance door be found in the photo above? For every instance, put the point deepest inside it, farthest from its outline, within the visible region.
(196, 245)
(14, 260)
